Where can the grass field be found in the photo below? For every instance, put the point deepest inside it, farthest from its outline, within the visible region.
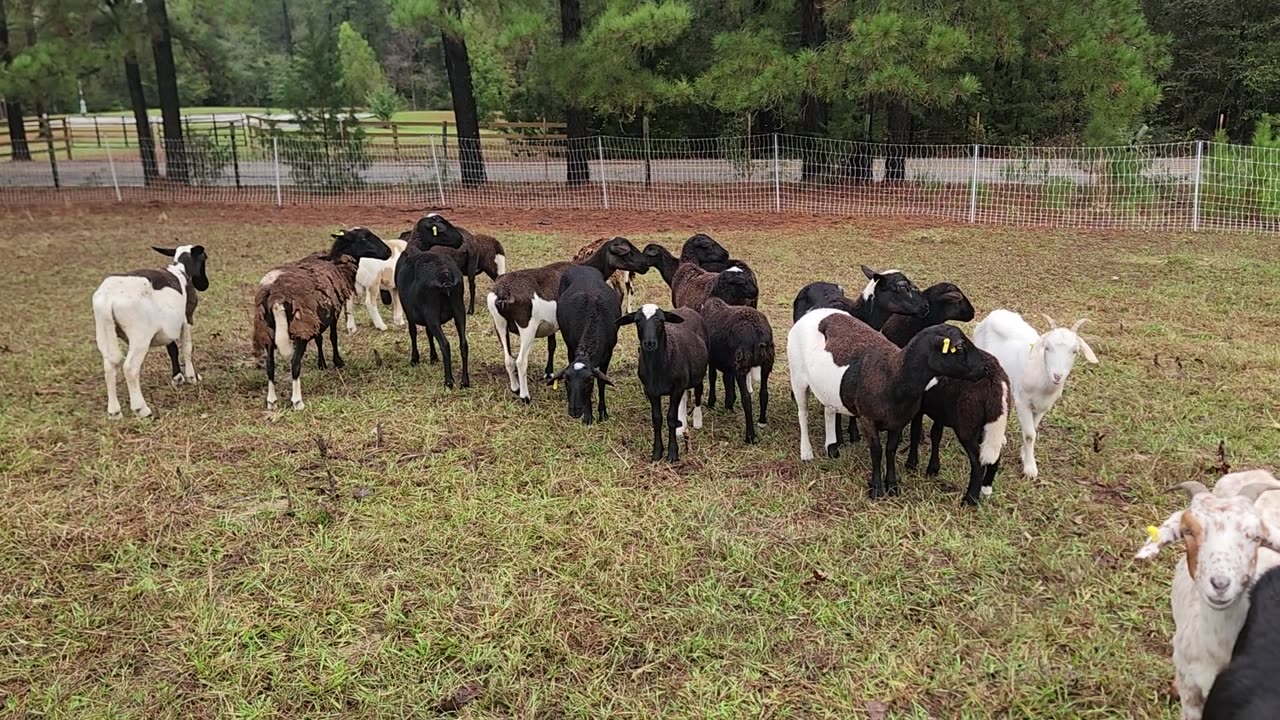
(400, 550)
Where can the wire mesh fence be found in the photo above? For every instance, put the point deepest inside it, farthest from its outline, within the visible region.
(1175, 186)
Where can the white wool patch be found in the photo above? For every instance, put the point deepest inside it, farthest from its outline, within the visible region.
(932, 382)
(433, 214)
(735, 268)
(182, 250)
(269, 277)
(986, 491)
(648, 310)
(578, 366)
(869, 291)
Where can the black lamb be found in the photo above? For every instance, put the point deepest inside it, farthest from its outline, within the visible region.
(587, 313)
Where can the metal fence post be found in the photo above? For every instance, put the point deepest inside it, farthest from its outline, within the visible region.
(275, 157)
(436, 163)
(777, 190)
(235, 156)
(604, 188)
(973, 187)
(114, 180)
(1195, 196)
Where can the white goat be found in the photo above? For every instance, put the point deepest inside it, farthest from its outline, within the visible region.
(1037, 365)
(1230, 542)
(148, 308)
(373, 277)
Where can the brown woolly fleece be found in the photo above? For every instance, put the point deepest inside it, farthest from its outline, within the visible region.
(691, 285)
(310, 288)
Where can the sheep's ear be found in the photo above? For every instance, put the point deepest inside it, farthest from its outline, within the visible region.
(617, 248)
(1088, 351)
(672, 318)
(165, 251)
(625, 319)
(197, 250)
(871, 274)
(601, 377)
(1270, 535)
(1170, 531)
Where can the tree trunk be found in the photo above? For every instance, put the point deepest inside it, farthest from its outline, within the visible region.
(813, 110)
(577, 168)
(18, 148)
(138, 100)
(898, 119)
(288, 27)
(458, 66)
(167, 85)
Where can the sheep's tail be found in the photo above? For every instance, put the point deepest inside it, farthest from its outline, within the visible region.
(104, 322)
(281, 317)
(993, 433)
(501, 261)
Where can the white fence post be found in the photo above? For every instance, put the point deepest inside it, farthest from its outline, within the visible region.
(1195, 195)
(973, 187)
(275, 157)
(604, 189)
(777, 190)
(115, 182)
(436, 164)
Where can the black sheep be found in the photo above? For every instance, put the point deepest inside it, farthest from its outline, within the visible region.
(740, 345)
(947, 302)
(673, 360)
(978, 412)
(431, 292)
(587, 313)
(1246, 688)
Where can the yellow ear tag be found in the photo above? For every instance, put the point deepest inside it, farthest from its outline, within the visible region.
(1153, 532)
(946, 345)
(555, 384)
(435, 230)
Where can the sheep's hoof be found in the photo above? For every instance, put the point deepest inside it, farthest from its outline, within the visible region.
(339, 363)
(605, 416)
(143, 412)
(762, 424)
(967, 501)
(751, 439)
(911, 464)
(893, 489)
(876, 493)
(177, 380)
(114, 415)
(806, 454)
(271, 407)
(986, 491)
(351, 329)
(193, 379)
(413, 361)
(381, 328)
(466, 382)
(448, 383)
(526, 400)
(932, 470)
(1030, 471)
(833, 450)
(299, 405)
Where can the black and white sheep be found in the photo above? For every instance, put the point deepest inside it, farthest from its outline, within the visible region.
(525, 300)
(431, 292)
(296, 303)
(149, 308)
(854, 370)
(673, 361)
(1246, 689)
(740, 345)
(587, 312)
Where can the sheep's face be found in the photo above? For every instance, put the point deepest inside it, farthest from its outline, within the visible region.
(1060, 347)
(435, 230)
(622, 255)
(701, 249)
(951, 354)
(651, 326)
(735, 286)
(192, 259)
(655, 253)
(949, 302)
(579, 381)
(894, 293)
(359, 243)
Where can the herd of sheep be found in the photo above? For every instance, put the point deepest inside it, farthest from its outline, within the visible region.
(884, 359)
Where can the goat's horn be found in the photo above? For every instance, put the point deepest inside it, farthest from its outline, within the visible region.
(1192, 487)
(1253, 490)
(1079, 322)
(1052, 324)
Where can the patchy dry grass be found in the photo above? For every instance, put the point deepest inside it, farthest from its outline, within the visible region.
(459, 550)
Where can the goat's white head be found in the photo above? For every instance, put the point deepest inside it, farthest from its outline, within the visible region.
(1222, 537)
(1061, 346)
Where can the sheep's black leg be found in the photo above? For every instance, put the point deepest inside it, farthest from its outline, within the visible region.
(271, 376)
(295, 369)
(414, 358)
(891, 461)
(875, 488)
(431, 345)
(320, 363)
(601, 410)
(172, 348)
(935, 449)
(764, 397)
(673, 422)
(655, 414)
(747, 410)
(551, 357)
(853, 430)
(460, 322)
(436, 331)
(976, 473)
(471, 283)
(333, 340)
(711, 392)
(913, 448)
(989, 479)
(730, 390)
(840, 433)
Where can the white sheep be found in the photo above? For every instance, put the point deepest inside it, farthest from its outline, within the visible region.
(372, 278)
(1230, 542)
(148, 308)
(1037, 366)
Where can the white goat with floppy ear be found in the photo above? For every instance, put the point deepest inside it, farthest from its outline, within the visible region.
(1227, 540)
(1037, 366)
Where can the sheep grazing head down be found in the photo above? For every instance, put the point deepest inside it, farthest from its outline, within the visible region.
(192, 259)
(434, 229)
(1222, 537)
(578, 379)
(1061, 346)
(894, 293)
(358, 242)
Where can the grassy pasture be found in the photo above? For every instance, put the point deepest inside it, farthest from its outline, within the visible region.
(400, 550)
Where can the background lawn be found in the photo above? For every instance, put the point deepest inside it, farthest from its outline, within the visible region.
(397, 548)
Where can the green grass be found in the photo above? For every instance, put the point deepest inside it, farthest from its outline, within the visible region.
(213, 562)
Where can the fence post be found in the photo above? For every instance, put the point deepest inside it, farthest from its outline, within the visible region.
(395, 139)
(436, 164)
(114, 181)
(777, 189)
(604, 189)
(648, 156)
(444, 139)
(235, 156)
(66, 136)
(973, 187)
(124, 130)
(1195, 196)
(275, 156)
(46, 129)
(97, 134)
